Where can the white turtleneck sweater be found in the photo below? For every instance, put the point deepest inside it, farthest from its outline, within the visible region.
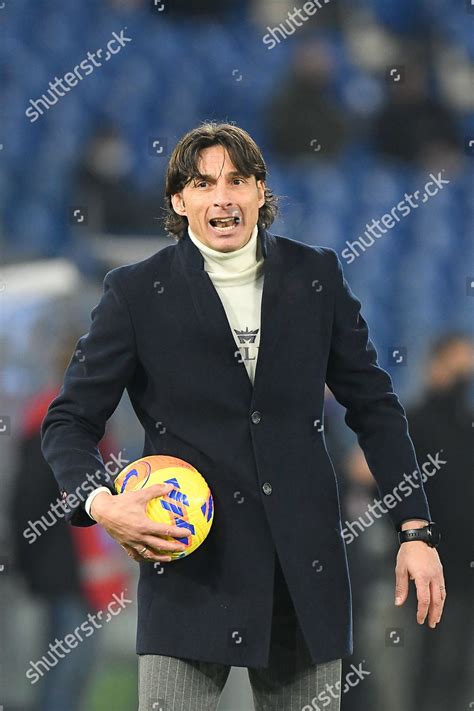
(238, 279)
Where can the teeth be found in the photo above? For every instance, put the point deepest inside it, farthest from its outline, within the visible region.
(224, 224)
(224, 229)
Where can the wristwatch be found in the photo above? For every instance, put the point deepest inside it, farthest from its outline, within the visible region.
(430, 534)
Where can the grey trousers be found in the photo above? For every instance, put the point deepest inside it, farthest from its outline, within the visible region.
(291, 682)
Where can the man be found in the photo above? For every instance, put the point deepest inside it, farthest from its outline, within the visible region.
(269, 589)
(441, 429)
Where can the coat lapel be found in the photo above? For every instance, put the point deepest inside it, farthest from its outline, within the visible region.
(211, 313)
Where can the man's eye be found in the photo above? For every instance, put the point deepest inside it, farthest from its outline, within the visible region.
(240, 180)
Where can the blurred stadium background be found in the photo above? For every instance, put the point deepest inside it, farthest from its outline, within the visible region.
(353, 109)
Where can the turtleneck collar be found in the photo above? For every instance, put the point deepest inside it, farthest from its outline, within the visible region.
(232, 268)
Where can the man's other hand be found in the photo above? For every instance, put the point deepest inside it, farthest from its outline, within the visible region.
(418, 561)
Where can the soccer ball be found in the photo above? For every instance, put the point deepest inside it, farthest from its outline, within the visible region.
(189, 505)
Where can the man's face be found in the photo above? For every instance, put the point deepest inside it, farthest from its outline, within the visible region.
(221, 193)
(456, 362)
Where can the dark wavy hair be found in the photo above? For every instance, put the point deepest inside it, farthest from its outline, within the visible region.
(183, 167)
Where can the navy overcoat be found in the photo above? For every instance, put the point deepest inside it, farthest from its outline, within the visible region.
(160, 331)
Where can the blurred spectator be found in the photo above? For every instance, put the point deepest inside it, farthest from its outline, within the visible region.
(441, 429)
(70, 571)
(413, 126)
(105, 188)
(303, 120)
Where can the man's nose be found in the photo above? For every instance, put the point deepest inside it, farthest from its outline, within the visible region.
(222, 203)
(222, 197)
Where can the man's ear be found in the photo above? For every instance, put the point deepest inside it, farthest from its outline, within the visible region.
(261, 193)
(178, 204)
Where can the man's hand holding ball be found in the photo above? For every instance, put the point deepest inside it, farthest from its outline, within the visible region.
(124, 518)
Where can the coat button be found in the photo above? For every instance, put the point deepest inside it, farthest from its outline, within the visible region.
(267, 488)
(256, 417)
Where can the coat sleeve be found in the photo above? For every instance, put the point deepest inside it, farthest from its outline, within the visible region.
(100, 368)
(373, 410)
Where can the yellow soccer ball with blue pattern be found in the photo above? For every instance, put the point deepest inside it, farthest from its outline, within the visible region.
(188, 505)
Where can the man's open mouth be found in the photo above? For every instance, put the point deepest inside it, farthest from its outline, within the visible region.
(224, 224)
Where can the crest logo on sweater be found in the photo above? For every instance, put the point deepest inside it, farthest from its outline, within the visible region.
(248, 347)
(247, 336)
